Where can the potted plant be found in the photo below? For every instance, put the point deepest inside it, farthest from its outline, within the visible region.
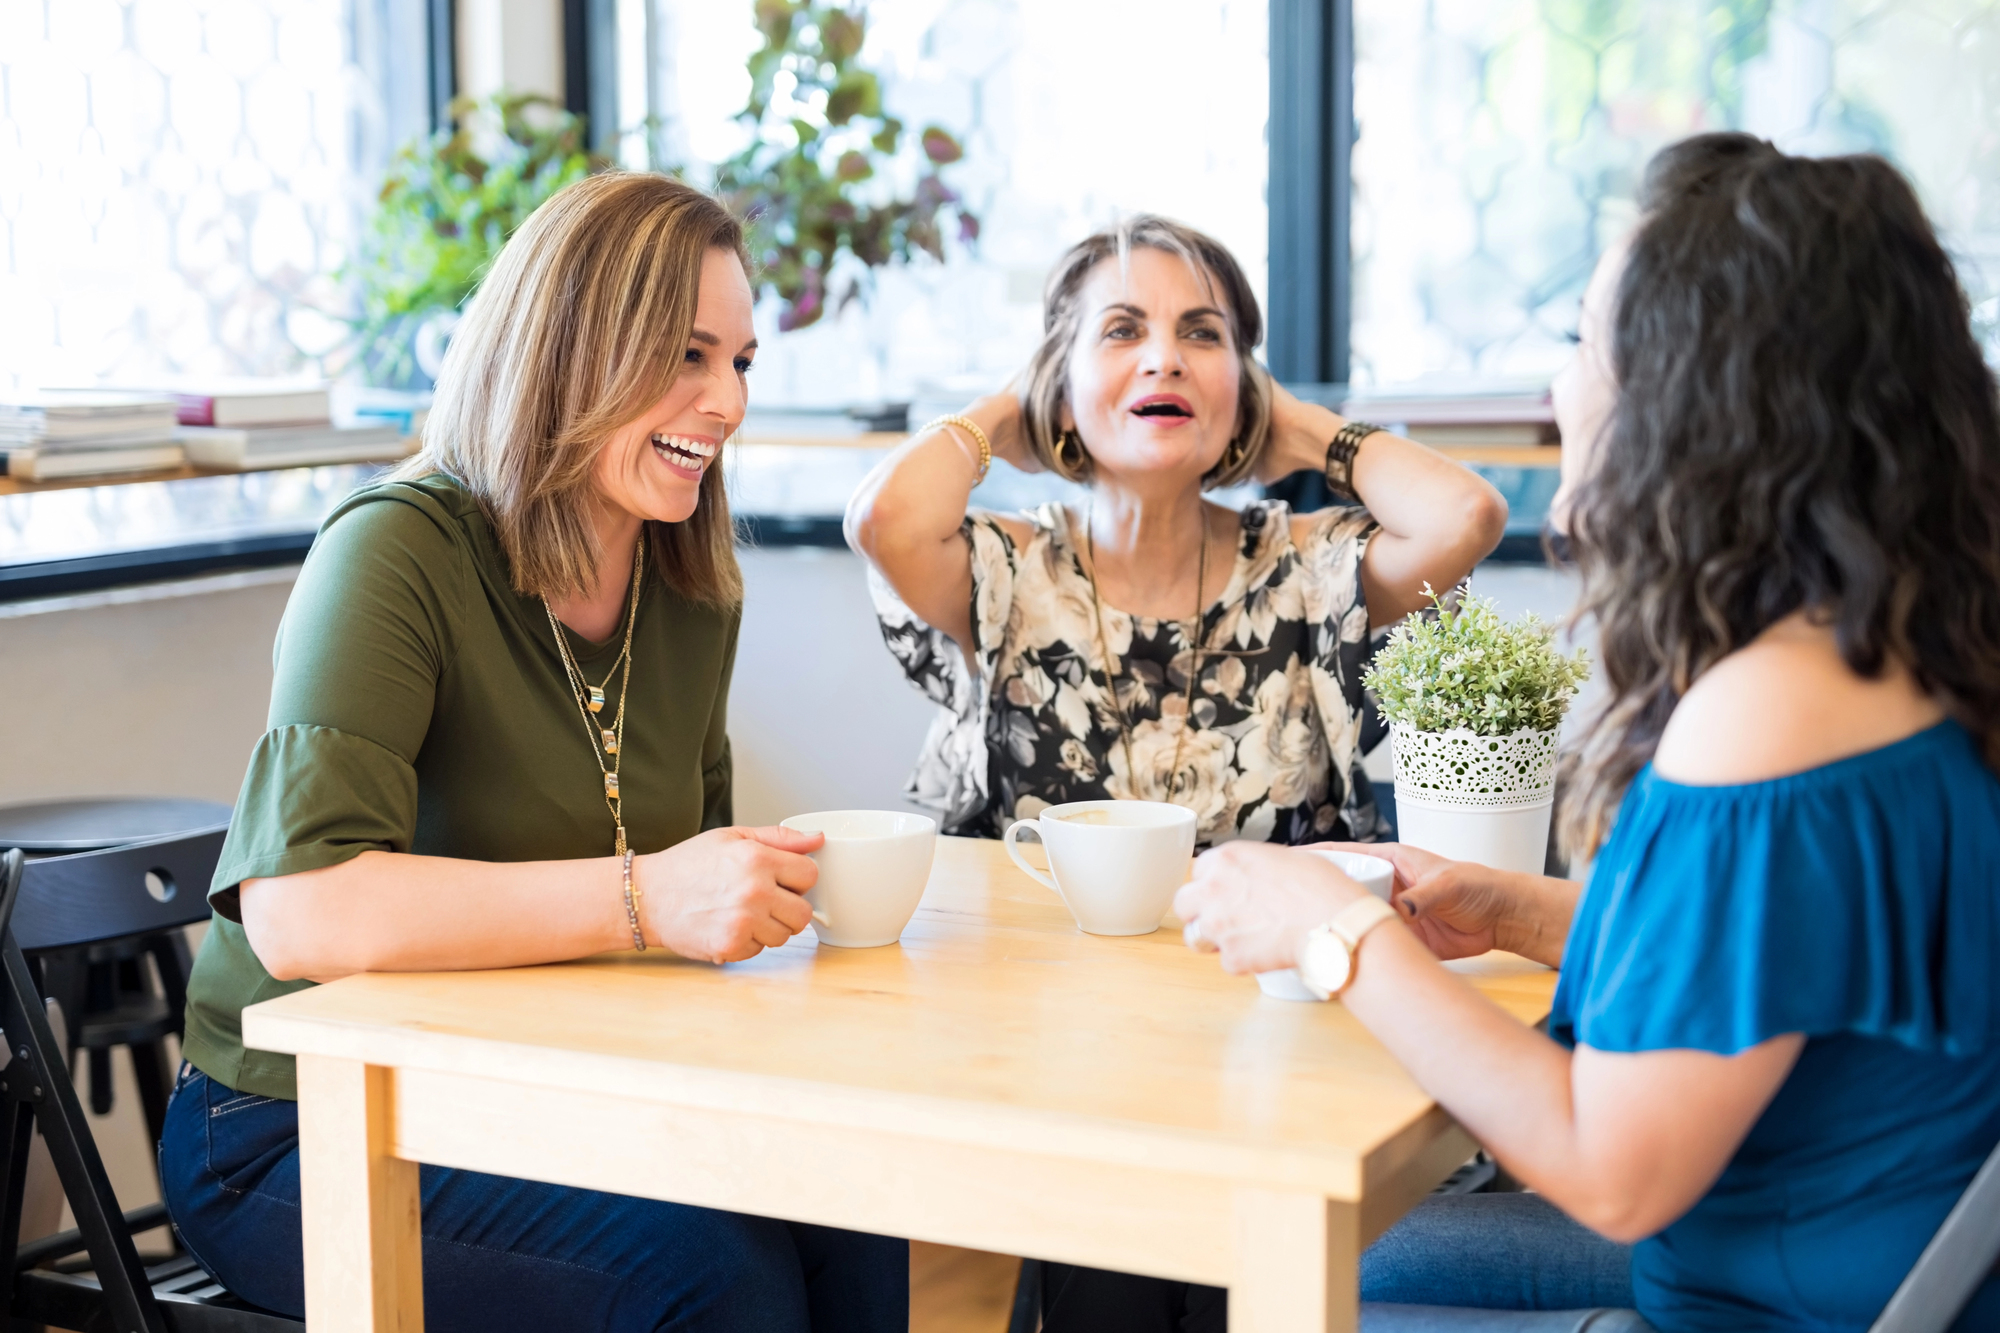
(1474, 704)
(449, 203)
(826, 177)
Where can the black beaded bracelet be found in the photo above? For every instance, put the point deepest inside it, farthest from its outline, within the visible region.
(1340, 456)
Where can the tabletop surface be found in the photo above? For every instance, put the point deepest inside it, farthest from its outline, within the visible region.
(994, 1010)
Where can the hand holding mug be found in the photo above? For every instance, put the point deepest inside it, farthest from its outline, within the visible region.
(727, 894)
(1461, 909)
(1255, 902)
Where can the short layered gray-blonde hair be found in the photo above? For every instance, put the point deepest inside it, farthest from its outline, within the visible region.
(1047, 382)
(578, 329)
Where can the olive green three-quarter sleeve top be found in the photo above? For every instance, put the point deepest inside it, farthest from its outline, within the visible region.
(419, 706)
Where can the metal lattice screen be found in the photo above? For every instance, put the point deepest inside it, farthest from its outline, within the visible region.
(1501, 141)
(181, 179)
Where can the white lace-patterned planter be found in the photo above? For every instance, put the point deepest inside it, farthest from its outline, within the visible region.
(1476, 798)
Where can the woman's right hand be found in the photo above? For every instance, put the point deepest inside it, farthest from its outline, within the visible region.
(727, 894)
(1461, 909)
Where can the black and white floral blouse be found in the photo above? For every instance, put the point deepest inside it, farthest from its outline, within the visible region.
(1272, 749)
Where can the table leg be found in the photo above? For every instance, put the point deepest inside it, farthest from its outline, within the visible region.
(1297, 1264)
(363, 1242)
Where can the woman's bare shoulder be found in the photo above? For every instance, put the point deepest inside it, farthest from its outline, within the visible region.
(1786, 703)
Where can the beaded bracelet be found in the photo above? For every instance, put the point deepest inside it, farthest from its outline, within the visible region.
(970, 427)
(1340, 454)
(632, 896)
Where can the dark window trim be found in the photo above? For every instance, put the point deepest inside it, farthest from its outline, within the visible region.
(443, 35)
(590, 68)
(1311, 141)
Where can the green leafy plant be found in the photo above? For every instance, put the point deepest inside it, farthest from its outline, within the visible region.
(1466, 667)
(449, 203)
(815, 181)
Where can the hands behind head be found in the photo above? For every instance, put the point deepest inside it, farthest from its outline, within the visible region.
(728, 894)
(1255, 901)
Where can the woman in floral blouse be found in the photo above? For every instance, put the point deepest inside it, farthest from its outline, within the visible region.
(1151, 644)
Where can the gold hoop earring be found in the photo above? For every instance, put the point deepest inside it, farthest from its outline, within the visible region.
(1232, 458)
(1067, 441)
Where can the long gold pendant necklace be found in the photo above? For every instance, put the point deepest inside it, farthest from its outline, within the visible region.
(1193, 634)
(607, 743)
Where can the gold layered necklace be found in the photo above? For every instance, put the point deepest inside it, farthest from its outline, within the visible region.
(1192, 632)
(607, 743)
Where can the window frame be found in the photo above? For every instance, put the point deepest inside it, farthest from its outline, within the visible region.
(1311, 142)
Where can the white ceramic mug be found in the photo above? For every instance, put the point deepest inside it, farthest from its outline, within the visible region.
(872, 872)
(1116, 864)
(1371, 873)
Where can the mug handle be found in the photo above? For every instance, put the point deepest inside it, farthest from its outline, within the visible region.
(1014, 850)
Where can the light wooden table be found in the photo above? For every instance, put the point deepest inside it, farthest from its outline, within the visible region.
(999, 1081)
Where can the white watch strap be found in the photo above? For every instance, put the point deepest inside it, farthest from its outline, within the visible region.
(1349, 926)
(1355, 920)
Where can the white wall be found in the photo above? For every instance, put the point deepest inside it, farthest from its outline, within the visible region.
(514, 46)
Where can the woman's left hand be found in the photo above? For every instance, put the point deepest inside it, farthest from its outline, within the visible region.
(1256, 902)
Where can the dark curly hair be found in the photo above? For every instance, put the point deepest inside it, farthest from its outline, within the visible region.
(1803, 422)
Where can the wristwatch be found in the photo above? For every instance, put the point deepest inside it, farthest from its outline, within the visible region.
(1326, 961)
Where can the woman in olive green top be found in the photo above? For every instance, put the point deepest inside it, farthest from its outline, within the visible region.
(497, 737)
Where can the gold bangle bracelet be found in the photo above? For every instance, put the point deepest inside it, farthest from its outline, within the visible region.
(970, 427)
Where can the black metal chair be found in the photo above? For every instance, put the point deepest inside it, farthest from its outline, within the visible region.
(104, 990)
(66, 903)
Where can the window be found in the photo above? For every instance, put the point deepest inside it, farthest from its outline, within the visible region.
(1500, 144)
(1071, 113)
(180, 181)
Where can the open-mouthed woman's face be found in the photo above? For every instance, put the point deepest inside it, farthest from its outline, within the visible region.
(1154, 373)
(651, 467)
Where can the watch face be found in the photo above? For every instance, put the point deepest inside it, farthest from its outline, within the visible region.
(1326, 962)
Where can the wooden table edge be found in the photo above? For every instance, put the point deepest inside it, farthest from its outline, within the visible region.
(1336, 1173)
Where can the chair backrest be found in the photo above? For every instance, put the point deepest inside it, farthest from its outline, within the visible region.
(136, 889)
(1960, 1257)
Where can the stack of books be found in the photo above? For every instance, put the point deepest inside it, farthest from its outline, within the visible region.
(58, 433)
(1494, 416)
(247, 425)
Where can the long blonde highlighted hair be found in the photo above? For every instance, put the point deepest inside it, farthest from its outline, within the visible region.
(578, 329)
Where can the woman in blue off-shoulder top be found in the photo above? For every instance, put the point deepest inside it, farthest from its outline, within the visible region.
(1774, 1059)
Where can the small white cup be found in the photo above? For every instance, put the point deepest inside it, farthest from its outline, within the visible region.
(1371, 873)
(1116, 864)
(872, 872)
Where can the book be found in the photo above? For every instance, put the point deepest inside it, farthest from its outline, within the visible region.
(239, 450)
(86, 417)
(1413, 406)
(37, 463)
(1483, 433)
(242, 403)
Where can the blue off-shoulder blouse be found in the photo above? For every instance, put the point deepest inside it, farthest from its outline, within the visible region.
(1857, 903)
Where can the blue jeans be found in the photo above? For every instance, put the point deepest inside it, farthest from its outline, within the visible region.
(502, 1254)
(1459, 1263)
(1508, 1263)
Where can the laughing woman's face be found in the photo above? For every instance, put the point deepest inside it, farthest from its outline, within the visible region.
(652, 466)
(1154, 373)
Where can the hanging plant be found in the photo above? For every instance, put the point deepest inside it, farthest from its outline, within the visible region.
(815, 181)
